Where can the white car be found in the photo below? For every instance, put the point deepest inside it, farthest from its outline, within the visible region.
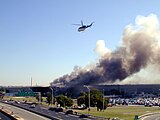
(33, 106)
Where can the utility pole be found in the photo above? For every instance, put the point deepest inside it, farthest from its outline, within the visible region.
(39, 95)
(52, 95)
(103, 99)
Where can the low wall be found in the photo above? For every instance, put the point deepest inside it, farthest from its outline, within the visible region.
(10, 114)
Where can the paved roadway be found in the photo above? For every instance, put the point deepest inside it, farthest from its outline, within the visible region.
(56, 115)
(3, 117)
(151, 117)
(26, 115)
(41, 110)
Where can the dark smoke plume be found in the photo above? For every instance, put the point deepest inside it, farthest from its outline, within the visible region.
(140, 48)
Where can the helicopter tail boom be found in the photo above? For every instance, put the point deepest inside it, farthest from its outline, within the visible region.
(90, 24)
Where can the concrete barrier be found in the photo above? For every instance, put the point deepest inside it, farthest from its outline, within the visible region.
(39, 113)
(10, 114)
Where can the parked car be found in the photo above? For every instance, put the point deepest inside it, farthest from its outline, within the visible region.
(52, 108)
(69, 112)
(32, 106)
(18, 102)
(109, 105)
(116, 118)
(148, 105)
(11, 102)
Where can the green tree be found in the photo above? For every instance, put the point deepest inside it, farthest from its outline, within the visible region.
(2, 92)
(82, 94)
(96, 96)
(69, 102)
(39, 97)
(2, 89)
(49, 98)
(64, 101)
(81, 100)
(102, 104)
(96, 99)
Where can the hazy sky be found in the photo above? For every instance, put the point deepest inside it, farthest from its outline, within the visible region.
(38, 40)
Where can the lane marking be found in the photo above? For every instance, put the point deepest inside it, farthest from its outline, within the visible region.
(157, 118)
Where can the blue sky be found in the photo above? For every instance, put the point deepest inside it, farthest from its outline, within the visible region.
(38, 40)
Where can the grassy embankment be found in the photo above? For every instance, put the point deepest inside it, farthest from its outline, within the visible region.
(122, 112)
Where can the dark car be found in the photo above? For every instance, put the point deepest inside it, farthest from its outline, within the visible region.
(83, 116)
(52, 108)
(69, 112)
(59, 110)
(148, 105)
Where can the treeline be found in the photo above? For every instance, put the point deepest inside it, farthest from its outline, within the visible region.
(94, 98)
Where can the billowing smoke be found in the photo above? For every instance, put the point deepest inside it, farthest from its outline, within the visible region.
(101, 48)
(137, 56)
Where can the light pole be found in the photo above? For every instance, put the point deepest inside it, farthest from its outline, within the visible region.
(52, 95)
(103, 99)
(88, 96)
(158, 98)
(39, 94)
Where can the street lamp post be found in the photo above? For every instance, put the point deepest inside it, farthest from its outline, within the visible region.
(103, 99)
(88, 96)
(158, 98)
(52, 95)
(39, 94)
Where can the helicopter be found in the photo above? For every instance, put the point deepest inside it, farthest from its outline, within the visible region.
(83, 27)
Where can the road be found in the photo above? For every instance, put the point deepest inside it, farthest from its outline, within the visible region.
(55, 115)
(42, 111)
(26, 115)
(3, 117)
(151, 117)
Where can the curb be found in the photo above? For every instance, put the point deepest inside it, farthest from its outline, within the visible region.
(148, 114)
